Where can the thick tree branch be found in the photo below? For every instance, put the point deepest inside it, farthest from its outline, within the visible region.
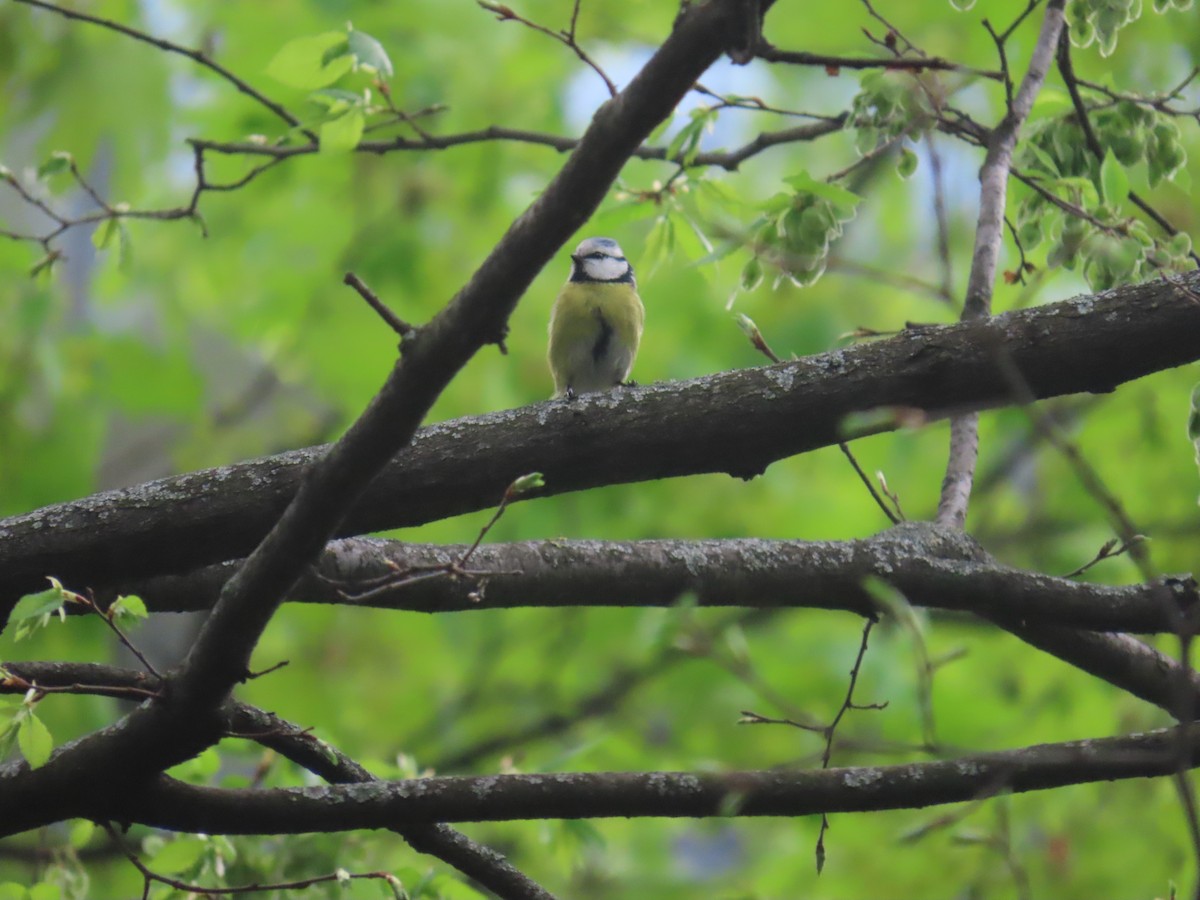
(735, 422)
(930, 567)
(173, 805)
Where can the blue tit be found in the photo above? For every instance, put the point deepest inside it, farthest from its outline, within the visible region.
(596, 322)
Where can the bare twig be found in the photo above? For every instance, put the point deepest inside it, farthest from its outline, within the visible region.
(398, 325)
(150, 877)
(196, 56)
(826, 731)
(770, 53)
(566, 38)
(943, 223)
(1109, 550)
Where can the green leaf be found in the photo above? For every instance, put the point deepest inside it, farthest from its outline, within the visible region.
(59, 162)
(369, 53)
(1044, 159)
(179, 855)
(40, 604)
(660, 244)
(532, 482)
(839, 196)
(200, 769)
(12, 891)
(752, 274)
(45, 891)
(131, 607)
(342, 134)
(33, 737)
(1113, 180)
(104, 233)
(81, 832)
(305, 62)
(906, 164)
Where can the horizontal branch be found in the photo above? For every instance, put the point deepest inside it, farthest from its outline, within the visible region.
(771, 53)
(936, 568)
(177, 806)
(723, 159)
(736, 422)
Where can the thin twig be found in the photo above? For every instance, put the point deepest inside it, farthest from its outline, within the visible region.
(943, 222)
(196, 56)
(398, 325)
(770, 53)
(566, 38)
(892, 517)
(150, 877)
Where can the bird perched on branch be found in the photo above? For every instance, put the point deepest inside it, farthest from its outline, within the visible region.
(596, 322)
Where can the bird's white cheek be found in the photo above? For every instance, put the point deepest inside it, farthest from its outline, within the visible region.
(605, 269)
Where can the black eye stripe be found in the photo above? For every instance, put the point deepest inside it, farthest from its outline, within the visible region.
(604, 256)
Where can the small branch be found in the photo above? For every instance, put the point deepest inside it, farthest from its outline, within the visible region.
(847, 705)
(404, 578)
(940, 216)
(566, 38)
(729, 160)
(989, 233)
(398, 325)
(195, 55)
(1109, 550)
(752, 331)
(892, 516)
(769, 53)
(150, 877)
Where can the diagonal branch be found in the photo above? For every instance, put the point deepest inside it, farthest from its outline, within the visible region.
(195, 55)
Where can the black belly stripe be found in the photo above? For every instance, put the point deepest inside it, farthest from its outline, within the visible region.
(603, 339)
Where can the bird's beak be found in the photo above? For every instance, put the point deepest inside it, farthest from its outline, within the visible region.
(575, 258)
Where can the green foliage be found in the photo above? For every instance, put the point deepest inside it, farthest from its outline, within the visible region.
(887, 106)
(316, 62)
(1100, 20)
(1092, 232)
(795, 235)
(20, 726)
